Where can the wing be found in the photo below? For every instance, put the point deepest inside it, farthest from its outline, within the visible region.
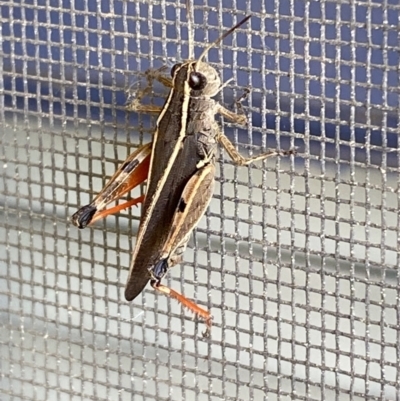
(173, 163)
(158, 223)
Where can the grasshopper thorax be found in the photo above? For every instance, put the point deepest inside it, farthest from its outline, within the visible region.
(197, 78)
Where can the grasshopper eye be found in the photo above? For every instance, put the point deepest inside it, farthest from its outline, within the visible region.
(197, 81)
(174, 68)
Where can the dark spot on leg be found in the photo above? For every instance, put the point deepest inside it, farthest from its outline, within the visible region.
(160, 269)
(154, 283)
(83, 216)
(127, 167)
(182, 205)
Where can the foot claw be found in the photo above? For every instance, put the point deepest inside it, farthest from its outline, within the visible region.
(289, 152)
(206, 333)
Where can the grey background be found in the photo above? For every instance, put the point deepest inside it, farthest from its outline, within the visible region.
(297, 259)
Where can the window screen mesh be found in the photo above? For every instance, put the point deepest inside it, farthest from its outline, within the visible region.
(296, 258)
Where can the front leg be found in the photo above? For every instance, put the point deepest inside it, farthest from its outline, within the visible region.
(151, 75)
(237, 118)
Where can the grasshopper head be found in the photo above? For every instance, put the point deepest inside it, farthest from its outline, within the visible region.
(197, 77)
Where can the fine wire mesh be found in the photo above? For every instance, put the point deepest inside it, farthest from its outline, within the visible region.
(296, 258)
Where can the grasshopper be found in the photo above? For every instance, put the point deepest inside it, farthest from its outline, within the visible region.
(179, 166)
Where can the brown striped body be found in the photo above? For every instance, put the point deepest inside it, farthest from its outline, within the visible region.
(185, 136)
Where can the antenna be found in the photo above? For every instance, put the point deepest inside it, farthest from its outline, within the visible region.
(190, 18)
(223, 36)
